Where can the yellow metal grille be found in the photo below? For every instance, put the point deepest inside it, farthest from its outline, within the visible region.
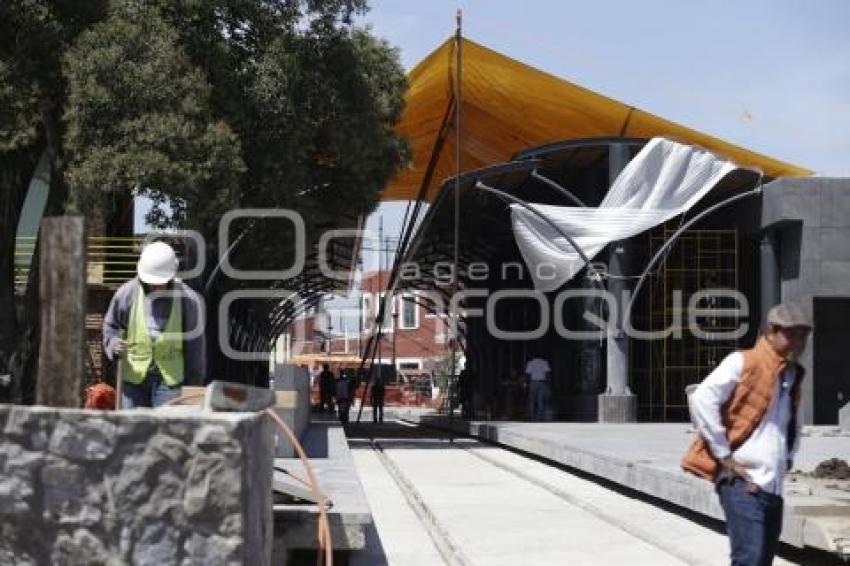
(701, 259)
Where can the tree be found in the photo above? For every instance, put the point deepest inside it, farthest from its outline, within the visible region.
(203, 105)
(33, 36)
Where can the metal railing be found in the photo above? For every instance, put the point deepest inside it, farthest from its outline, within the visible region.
(111, 260)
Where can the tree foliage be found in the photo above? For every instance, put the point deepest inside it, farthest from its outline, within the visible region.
(138, 119)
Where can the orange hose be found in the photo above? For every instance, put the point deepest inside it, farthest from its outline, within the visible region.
(324, 534)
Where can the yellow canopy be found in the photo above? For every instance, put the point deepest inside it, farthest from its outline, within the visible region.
(508, 106)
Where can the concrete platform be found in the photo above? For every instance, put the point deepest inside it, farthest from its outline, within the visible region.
(645, 458)
(295, 525)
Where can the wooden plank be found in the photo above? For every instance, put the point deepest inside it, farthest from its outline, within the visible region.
(62, 291)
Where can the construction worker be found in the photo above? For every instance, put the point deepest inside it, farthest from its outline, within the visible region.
(154, 328)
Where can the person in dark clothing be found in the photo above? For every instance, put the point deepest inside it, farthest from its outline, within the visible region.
(343, 397)
(326, 389)
(466, 386)
(378, 392)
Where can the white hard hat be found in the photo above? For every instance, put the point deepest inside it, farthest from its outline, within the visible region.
(157, 264)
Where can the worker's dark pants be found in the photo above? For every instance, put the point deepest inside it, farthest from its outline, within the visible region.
(152, 392)
(753, 522)
(342, 406)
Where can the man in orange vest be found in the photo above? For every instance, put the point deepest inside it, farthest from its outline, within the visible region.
(747, 414)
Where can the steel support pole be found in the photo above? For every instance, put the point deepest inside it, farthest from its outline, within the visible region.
(617, 404)
(771, 282)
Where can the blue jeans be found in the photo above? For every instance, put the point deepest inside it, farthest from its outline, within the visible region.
(753, 522)
(151, 392)
(538, 395)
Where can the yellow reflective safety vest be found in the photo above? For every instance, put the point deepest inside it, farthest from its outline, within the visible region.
(166, 351)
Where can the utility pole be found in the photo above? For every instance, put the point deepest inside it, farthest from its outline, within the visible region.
(453, 322)
(379, 290)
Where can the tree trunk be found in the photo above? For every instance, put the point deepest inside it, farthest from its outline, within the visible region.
(16, 172)
(57, 201)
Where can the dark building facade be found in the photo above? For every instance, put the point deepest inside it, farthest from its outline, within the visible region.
(803, 224)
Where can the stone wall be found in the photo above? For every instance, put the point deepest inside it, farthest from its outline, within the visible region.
(172, 486)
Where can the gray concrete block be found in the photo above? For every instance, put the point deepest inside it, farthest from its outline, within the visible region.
(844, 417)
(617, 408)
(236, 397)
(806, 281)
(292, 404)
(836, 203)
(790, 199)
(811, 243)
(834, 278)
(834, 244)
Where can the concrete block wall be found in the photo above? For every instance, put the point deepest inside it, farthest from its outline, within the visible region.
(171, 486)
(812, 217)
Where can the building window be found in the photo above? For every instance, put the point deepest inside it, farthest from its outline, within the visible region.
(408, 365)
(409, 313)
(389, 325)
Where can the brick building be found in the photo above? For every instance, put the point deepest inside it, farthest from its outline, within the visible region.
(413, 338)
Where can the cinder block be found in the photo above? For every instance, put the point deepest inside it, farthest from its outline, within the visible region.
(844, 416)
(236, 397)
(617, 408)
(836, 202)
(834, 244)
(835, 277)
(792, 199)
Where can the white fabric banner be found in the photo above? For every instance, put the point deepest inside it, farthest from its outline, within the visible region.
(663, 180)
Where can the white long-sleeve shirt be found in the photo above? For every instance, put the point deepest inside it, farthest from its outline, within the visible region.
(765, 453)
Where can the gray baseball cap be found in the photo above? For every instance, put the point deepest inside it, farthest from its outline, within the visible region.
(789, 315)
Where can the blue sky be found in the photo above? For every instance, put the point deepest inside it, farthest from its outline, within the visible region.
(769, 75)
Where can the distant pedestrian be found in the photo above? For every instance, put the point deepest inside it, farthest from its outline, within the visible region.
(466, 387)
(747, 412)
(378, 393)
(537, 370)
(326, 389)
(343, 397)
